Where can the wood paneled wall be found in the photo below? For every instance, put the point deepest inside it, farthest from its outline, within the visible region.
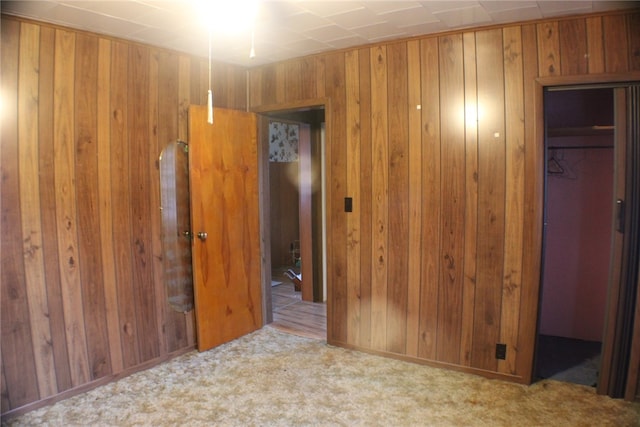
(84, 121)
(433, 138)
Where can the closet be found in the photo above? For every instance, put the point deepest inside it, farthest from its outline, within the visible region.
(579, 186)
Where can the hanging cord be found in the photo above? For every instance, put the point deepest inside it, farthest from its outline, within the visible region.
(209, 92)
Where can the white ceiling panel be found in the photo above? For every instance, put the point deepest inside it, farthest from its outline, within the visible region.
(289, 28)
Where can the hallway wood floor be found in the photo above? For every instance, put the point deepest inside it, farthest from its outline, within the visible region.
(294, 316)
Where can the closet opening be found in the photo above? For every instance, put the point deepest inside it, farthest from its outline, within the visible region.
(580, 166)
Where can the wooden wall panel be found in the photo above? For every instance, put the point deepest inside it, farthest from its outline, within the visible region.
(471, 198)
(514, 195)
(66, 205)
(491, 198)
(18, 360)
(379, 197)
(548, 49)
(452, 184)
(573, 46)
(89, 242)
(30, 208)
(532, 225)
(616, 55)
(595, 48)
(364, 204)
(337, 184)
(82, 288)
(46, 168)
(414, 211)
(398, 190)
(352, 81)
(431, 190)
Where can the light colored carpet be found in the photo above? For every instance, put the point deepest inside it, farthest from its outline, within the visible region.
(270, 378)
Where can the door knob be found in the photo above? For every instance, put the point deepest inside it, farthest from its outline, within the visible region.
(202, 235)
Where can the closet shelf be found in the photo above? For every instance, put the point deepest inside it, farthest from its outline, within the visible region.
(581, 131)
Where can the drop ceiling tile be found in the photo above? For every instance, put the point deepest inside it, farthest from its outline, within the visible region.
(356, 18)
(328, 33)
(516, 15)
(410, 17)
(277, 37)
(115, 8)
(383, 7)
(468, 16)
(498, 6)
(379, 31)
(305, 21)
(428, 28)
(306, 47)
(163, 18)
(354, 40)
(443, 6)
(557, 8)
(330, 8)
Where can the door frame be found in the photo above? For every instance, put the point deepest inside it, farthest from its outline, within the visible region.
(611, 326)
(263, 187)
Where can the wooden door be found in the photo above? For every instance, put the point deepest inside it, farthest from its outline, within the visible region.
(223, 162)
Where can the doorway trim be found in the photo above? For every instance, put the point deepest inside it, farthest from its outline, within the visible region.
(538, 208)
(265, 234)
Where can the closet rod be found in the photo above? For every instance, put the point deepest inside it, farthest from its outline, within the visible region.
(573, 147)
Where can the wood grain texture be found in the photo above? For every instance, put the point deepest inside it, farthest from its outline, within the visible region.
(78, 194)
(104, 200)
(155, 190)
(514, 196)
(532, 224)
(548, 49)
(595, 44)
(46, 169)
(611, 44)
(66, 206)
(491, 198)
(616, 56)
(120, 202)
(352, 71)
(414, 211)
(430, 274)
(30, 208)
(227, 263)
(18, 359)
(398, 193)
(573, 46)
(88, 216)
(365, 262)
(335, 164)
(379, 197)
(452, 157)
(471, 198)
(139, 175)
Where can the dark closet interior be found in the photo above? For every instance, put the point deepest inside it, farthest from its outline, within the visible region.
(579, 184)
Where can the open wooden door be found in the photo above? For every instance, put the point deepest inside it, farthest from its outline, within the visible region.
(223, 161)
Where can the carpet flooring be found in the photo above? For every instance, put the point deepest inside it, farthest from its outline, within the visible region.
(270, 378)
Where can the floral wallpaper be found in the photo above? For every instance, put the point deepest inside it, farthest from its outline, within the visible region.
(283, 142)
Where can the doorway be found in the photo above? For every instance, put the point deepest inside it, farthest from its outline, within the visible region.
(293, 210)
(578, 218)
(617, 375)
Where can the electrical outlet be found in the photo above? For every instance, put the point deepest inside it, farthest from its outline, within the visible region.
(501, 351)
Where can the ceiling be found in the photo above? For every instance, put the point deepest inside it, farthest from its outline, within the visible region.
(287, 29)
